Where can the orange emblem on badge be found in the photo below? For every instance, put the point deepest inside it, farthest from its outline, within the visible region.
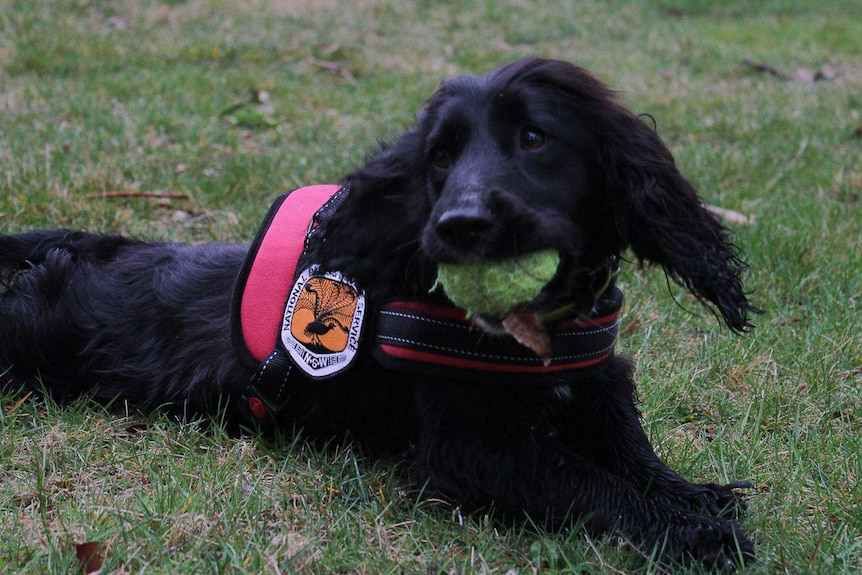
(323, 314)
(322, 322)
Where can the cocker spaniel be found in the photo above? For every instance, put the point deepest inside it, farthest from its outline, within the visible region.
(332, 321)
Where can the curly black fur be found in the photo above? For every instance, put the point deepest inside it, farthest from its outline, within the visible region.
(534, 155)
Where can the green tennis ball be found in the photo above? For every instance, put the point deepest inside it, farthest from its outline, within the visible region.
(497, 287)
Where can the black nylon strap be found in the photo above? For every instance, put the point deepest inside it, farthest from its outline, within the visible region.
(268, 392)
(434, 339)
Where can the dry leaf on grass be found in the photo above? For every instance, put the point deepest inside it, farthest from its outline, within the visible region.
(730, 216)
(89, 556)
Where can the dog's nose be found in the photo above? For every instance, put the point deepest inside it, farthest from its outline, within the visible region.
(463, 226)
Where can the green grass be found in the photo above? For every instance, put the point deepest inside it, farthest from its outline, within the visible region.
(126, 96)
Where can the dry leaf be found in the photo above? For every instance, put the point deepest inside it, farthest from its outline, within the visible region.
(526, 329)
(89, 556)
(805, 75)
(115, 23)
(730, 216)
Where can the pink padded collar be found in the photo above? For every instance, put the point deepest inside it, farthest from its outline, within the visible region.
(271, 275)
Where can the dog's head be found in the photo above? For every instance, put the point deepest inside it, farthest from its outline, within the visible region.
(537, 155)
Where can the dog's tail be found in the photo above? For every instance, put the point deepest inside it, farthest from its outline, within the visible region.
(21, 251)
(147, 322)
(40, 280)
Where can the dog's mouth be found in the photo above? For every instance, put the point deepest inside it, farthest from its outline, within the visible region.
(524, 296)
(508, 296)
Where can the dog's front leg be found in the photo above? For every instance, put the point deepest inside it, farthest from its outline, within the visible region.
(510, 450)
(604, 410)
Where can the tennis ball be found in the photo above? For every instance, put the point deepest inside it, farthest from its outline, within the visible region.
(497, 287)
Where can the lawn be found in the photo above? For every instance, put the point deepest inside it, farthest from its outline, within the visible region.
(182, 119)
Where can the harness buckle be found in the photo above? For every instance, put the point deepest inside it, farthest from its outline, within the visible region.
(268, 392)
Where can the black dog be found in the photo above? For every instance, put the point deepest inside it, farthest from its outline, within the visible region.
(534, 155)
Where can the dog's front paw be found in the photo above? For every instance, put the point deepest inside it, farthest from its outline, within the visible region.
(716, 543)
(724, 500)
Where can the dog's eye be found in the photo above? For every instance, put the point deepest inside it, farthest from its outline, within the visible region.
(441, 159)
(532, 138)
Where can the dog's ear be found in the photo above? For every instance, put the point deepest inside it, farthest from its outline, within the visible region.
(656, 211)
(374, 236)
(661, 217)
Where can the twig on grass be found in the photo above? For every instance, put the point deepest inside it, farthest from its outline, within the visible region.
(802, 75)
(334, 68)
(157, 195)
(763, 67)
(784, 168)
(17, 405)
